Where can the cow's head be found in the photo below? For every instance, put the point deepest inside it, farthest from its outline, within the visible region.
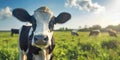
(42, 22)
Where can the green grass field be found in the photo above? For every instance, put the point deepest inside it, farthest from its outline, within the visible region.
(69, 47)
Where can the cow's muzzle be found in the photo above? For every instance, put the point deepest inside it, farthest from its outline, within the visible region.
(41, 39)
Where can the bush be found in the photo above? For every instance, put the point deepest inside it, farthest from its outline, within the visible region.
(8, 54)
(87, 47)
(112, 44)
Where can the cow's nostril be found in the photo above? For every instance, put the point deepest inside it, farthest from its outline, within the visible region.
(35, 38)
(46, 38)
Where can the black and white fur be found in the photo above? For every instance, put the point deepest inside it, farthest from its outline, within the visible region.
(74, 33)
(36, 42)
(94, 33)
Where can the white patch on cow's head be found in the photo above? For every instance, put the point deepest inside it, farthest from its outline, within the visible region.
(43, 15)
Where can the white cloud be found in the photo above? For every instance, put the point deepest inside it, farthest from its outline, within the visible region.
(5, 13)
(111, 15)
(86, 5)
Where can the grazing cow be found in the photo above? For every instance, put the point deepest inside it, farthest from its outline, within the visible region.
(36, 42)
(14, 31)
(94, 33)
(74, 33)
(112, 32)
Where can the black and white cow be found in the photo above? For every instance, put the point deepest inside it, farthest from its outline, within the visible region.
(74, 33)
(36, 42)
(94, 33)
(112, 32)
(14, 31)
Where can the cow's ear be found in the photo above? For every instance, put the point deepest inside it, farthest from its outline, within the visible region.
(21, 15)
(62, 17)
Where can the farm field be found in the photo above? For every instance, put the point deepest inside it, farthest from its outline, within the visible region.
(69, 47)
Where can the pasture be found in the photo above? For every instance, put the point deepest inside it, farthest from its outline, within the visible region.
(69, 47)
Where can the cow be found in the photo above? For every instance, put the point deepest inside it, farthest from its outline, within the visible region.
(36, 42)
(112, 32)
(74, 33)
(14, 31)
(94, 33)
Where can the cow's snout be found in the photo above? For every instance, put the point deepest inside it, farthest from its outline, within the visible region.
(40, 39)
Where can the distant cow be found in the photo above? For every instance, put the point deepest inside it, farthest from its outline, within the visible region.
(74, 33)
(36, 42)
(14, 31)
(112, 32)
(94, 33)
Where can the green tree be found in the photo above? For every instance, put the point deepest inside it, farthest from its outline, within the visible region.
(95, 27)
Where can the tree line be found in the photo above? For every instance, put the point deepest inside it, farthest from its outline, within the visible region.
(93, 27)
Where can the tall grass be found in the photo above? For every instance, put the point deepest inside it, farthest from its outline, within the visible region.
(69, 47)
(8, 46)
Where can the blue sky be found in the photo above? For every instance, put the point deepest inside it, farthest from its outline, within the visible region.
(102, 12)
